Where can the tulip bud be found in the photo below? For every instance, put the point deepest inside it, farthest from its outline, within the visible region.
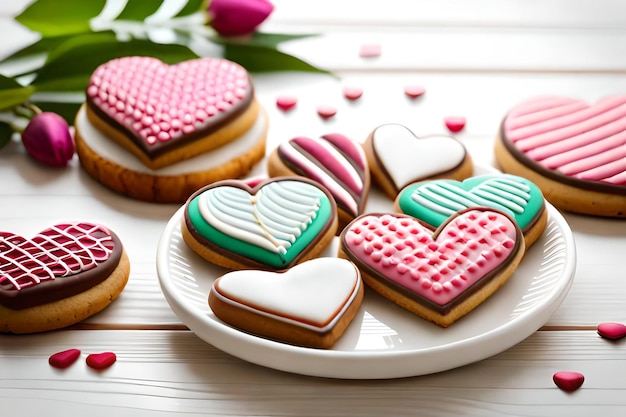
(47, 139)
(238, 17)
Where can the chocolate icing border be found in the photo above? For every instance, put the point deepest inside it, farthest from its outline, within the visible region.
(63, 287)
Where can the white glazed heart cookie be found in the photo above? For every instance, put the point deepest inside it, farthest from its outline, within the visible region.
(309, 305)
(398, 158)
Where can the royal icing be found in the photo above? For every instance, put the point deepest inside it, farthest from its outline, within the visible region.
(434, 201)
(407, 158)
(273, 225)
(313, 295)
(576, 139)
(158, 104)
(433, 268)
(333, 160)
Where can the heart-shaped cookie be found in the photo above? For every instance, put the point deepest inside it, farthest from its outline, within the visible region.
(398, 158)
(310, 304)
(159, 107)
(439, 275)
(434, 201)
(274, 225)
(334, 161)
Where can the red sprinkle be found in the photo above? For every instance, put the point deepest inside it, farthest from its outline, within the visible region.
(568, 381)
(455, 123)
(613, 331)
(326, 112)
(286, 103)
(352, 93)
(64, 359)
(101, 360)
(414, 91)
(370, 51)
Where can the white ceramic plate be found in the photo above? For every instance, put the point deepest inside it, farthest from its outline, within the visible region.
(383, 341)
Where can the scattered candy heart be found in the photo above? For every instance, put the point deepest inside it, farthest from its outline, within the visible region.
(568, 381)
(286, 103)
(352, 93)
(613, 331)
(254, 181)
(369, 51)
(414, 91)
(455, 123)
(101, 360)
(326, 112)
(64, 359)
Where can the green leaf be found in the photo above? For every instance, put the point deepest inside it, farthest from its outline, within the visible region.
(139, 9)
(5, 134)
(70, 66)
(58, 18)
(271, 40)
(261, 59)
(67, 110)
(13, 93)
(192, 7)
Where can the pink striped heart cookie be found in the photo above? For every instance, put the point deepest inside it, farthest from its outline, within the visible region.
(573, 150)
(439, 275)
(59, 277)
(333, 160)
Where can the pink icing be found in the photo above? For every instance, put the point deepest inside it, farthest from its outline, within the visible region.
(438, 267)
(159, 102)
(572, 137)
(61, 250)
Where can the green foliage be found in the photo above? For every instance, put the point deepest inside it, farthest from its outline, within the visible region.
(5, 134)
(12, 93)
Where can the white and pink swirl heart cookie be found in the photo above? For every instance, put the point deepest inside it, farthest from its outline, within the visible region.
(398, 158)
(158, 132)
(59, 277)
(309, 305)
(573, 150)
(439, 275)
(333, 160)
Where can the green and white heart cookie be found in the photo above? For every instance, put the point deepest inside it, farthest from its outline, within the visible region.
(274, 225)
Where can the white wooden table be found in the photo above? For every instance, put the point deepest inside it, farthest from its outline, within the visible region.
(475, 59)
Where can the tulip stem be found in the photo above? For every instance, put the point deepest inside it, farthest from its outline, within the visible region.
(27, 110)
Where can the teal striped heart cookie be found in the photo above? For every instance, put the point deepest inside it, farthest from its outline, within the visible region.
(274, 225)
(433, 202)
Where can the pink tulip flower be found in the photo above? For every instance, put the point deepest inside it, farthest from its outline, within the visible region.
(47, 139)
(238, 17)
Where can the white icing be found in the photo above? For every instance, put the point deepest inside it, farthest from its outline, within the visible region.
(111, 151)
(408, 158)
(317, 291)
(272, 219)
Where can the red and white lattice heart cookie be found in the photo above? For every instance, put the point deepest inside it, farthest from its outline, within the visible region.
(441, 275)
(574, 151)
(170, 129)
(398, 158)
(61, 276)
(309, 305)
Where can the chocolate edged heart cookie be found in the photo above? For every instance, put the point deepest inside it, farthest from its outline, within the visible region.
(434, 201)
(440, 275)
(308, 305)
(574, 151)
(397, 158)
(61, 276)
(333, 160)
(274, 225)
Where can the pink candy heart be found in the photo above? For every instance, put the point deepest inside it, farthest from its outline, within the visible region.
(613, 331)
(101, 360)
(568, 381)
(64, 359)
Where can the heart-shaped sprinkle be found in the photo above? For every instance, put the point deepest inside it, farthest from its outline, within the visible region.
(286, 103)
(326, 112)
(352, 93)
(64, 359)
(370, 50)
(568, 381)
(101, 360)
(613, 331)
(455, 123)
(414, 91)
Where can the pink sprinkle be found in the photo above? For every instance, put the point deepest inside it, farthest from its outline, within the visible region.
(326, 112)
(613, 331)
(286, 103)
(568, 381)
(101, 360)
(369, 50)
(64, 359)
(352, 93)
(455, 123)
(414, 91)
